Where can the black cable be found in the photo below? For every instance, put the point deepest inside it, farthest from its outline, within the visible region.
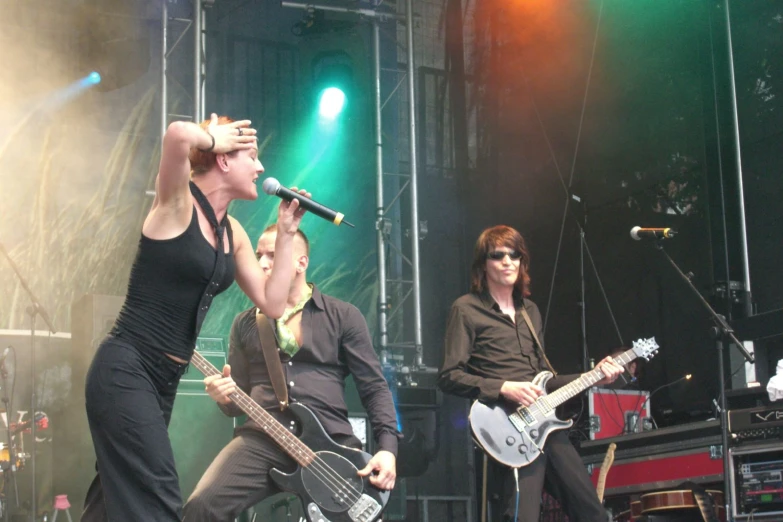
(601, 397)
(637, 409)
(656, 390)
(741, 366)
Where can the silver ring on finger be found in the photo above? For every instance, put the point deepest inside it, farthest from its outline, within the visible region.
(239, 131)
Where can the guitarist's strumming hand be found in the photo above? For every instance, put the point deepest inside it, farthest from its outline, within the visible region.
(611, 371)
(524, 393)
(219, 387)
(385, 463)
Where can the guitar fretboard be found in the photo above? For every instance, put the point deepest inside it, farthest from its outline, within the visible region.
(284, 438)
(585, 381)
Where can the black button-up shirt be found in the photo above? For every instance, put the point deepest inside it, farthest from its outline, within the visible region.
(335, 343)
(484, 348)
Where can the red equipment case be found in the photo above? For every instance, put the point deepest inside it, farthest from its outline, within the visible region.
(614, 412)
(659, 458)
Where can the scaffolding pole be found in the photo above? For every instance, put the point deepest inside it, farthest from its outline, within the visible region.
(387, 311)
(196, 22)
(414, 191)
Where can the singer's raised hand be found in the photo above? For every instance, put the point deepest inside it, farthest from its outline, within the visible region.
(289, 213)
(231, 136)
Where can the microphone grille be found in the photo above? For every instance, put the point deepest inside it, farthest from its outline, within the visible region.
(634, 233)
(270, 186)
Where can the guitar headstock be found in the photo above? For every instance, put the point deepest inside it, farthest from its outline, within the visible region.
(645, 348)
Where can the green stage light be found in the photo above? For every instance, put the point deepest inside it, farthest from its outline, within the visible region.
(331, 103)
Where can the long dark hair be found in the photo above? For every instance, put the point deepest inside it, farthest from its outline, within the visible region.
(490, 238)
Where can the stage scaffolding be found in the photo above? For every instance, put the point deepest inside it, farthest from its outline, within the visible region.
(399, 286)
(400, 345)
(176, 29)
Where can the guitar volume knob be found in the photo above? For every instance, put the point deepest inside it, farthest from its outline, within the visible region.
(510, 441)
(522, 449)
(534, 433)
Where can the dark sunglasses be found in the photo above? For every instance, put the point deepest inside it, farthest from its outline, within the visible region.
(498, 255)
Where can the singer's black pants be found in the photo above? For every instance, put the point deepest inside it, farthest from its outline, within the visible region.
(130, 395)
(560, 470)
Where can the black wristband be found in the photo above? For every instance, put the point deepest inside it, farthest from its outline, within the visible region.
(211, 146)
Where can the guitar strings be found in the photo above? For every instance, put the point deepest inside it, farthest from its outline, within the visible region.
(324, 468)
(318, 467)
(327, 473)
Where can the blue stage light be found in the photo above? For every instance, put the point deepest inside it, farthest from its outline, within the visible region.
(94, 78)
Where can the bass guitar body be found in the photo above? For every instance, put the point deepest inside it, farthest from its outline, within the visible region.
(325, 498)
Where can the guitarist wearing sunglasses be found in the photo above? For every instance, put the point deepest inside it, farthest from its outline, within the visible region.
(319, 341)
(491, 356)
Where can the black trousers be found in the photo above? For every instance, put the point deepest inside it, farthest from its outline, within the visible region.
(237, 479)
(129, 396)
(560, 470)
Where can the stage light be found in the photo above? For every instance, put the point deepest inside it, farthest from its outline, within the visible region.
(331, 103)
(94, 78)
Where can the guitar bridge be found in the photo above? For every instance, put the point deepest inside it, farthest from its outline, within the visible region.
(366, 509)
(517, 422)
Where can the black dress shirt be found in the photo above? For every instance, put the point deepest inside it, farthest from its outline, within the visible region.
(485, 348)
(335, 343)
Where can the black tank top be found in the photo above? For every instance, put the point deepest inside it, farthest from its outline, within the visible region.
(168, 279)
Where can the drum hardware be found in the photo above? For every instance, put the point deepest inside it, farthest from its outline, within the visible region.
(9, 454)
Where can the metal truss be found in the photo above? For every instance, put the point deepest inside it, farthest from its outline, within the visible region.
(399, 286)
(175, 27)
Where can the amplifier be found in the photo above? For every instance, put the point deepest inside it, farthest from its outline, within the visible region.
(760, 484)
(753, 424)
(757, 481)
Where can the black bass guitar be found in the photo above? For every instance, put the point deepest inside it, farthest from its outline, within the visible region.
(515, 435)
(326, 479)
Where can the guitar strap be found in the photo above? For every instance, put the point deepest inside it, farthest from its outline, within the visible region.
(269, 346)
(539, 346)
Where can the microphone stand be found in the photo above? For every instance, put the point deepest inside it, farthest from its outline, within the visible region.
(33, 310)
(11, 455)
(722, 332)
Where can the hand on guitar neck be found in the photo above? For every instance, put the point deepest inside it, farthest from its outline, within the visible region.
(526, 393)
(220, 387)
(610, 369)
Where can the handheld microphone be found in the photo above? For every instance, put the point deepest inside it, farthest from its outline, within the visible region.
(639, 233)
(273, 187)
